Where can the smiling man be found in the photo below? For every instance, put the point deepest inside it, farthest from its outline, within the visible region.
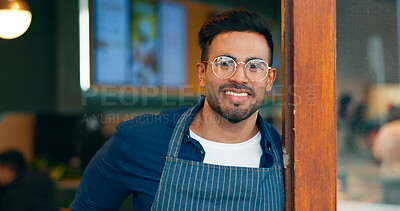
(217, 155)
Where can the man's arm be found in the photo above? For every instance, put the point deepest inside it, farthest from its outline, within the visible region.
(103, 186)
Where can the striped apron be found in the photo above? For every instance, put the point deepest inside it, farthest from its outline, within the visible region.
(192, 185)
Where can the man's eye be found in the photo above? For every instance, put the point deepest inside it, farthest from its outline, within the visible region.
(225, 64)
(255, 67)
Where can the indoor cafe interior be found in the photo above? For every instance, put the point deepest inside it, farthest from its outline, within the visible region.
(78, 68)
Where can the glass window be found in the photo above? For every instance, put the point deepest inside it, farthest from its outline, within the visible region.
(368, 102)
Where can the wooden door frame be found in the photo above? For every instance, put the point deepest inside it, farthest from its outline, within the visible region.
(309, 52)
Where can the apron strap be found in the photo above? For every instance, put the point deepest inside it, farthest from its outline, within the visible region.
(176, 139)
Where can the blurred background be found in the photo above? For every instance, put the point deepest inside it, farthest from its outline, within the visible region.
(83, 66)
(368, 103)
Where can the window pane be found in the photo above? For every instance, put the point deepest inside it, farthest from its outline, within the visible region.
(368, 90)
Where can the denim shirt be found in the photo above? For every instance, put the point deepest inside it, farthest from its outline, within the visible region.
(132, 160)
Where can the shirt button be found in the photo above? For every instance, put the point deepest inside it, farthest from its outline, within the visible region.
(202, 152)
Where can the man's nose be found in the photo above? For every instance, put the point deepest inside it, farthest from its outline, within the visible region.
(240, 76)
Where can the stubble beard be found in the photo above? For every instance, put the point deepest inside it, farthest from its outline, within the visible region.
(233, 115)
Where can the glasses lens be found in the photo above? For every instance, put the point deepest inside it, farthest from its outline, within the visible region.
(256, 69)
(223, 66)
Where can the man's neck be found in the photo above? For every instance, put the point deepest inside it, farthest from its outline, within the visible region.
(211, 126)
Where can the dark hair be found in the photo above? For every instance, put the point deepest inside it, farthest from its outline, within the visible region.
(238, 19)
(13, 160)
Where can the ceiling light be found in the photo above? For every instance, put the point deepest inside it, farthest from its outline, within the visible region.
(15, 18)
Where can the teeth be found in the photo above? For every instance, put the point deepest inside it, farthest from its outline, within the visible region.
(236, 94)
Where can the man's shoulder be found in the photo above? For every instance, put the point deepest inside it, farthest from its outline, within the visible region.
(142, 137)
(272, 130)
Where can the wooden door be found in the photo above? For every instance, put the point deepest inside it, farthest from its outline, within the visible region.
(309, 48)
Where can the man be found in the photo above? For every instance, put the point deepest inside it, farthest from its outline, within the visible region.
(21, 190)
(217, 155)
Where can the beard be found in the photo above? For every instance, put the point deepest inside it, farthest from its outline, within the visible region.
(237, 113)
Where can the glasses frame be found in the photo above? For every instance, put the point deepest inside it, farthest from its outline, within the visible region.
(236, 64)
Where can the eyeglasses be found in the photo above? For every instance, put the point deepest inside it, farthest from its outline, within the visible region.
(225, 67)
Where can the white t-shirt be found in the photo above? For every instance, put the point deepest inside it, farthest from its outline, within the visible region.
(245, 154)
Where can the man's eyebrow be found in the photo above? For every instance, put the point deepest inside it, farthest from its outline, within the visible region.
(230, 56)
(234, 58)
(251, 58)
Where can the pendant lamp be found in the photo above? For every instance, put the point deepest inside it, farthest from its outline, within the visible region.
(15, 18)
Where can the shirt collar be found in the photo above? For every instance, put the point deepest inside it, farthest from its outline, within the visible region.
(260, 121)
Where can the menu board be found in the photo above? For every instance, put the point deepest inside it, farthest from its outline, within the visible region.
(173, 34)
(139, 43)
(111, 41)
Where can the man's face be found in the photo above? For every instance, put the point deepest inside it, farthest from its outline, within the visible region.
(7, 176)
(237, 97)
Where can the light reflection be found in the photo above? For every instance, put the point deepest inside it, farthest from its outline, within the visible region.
(84, 42)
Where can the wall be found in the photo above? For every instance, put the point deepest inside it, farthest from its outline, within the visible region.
(26, 76)
(39, 70)
(16, 133)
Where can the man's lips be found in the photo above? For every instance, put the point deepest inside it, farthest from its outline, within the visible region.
(236, 90)
(236, 97)
(236, 93)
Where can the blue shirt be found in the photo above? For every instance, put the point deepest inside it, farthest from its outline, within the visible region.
(132, 161)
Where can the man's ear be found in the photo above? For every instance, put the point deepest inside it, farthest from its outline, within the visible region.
(201, 74)
(270, 79)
